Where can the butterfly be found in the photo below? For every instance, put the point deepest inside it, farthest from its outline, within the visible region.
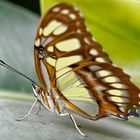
(69, 62)
(66, 57)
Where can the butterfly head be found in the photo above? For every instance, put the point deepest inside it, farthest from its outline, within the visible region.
(37, 91)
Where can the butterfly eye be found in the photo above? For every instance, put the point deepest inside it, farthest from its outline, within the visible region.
(41, 48)
(41, 51)
(36, 89)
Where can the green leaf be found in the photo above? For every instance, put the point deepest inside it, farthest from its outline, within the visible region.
(116, 26)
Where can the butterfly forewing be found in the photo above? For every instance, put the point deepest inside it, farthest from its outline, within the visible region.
(62, 30)
(69, 60)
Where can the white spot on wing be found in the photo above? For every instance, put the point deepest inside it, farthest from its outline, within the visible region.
(79, 31)
(65, 11)
(51, 27)
(68, 45)
(118, 99)
(40, 31)
(87, 41)
(111, 79)
(118, 85)
(103, 73)
(66, 61)
(116, 92)
(37, 42)
(56, 9)
(93, 52)
(100, 59)
(60, 30)
(72, 16)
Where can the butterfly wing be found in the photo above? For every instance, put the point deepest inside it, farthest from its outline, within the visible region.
(67, 58)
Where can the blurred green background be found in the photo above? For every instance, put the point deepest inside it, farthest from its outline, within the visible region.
(115, 24)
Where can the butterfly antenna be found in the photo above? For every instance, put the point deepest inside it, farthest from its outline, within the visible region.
(2, 63)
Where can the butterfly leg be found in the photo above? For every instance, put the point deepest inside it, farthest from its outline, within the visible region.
(28, 114)
(76, 126)
(74, 122)
(38, 109)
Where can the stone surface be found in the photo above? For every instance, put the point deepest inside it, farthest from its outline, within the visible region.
(49, 126)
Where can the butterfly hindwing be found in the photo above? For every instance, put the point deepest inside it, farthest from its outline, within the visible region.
(111, 87)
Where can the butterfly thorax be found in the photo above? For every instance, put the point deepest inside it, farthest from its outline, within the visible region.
(49, 100)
